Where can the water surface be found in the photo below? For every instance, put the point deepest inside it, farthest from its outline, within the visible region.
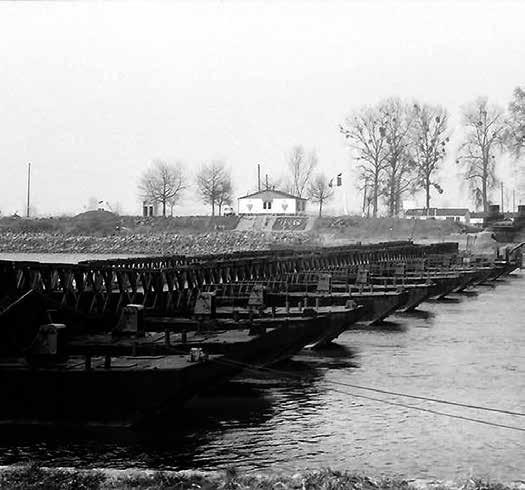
(469, 349)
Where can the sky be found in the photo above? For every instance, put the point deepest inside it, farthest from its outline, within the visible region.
(92, 92)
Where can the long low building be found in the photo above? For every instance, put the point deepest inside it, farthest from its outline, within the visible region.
(460, 215)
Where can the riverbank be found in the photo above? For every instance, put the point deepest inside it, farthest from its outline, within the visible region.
(36, 477)
(151, 243)
(100, 232)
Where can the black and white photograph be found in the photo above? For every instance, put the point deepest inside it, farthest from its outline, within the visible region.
(262, 244)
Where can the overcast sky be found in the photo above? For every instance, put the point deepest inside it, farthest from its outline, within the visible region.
(91, 92)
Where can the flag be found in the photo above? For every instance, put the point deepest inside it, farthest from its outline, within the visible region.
(339, 180)
(331, 183)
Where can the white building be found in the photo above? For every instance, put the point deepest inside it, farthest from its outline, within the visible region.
(477, 218)
(270, 201)
(460, 215)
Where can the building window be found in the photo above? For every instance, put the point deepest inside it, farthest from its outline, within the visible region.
(267, 204)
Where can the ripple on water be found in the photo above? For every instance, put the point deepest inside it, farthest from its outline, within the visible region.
(471, 350)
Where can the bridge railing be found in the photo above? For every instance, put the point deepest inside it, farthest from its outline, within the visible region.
(169, 284)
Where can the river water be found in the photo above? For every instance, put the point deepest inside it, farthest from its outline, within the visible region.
(469, 349)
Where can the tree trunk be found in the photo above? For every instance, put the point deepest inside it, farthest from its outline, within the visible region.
(320, 208)
(392, 197)
(484, 190)
(374, 202)
(164, 207)
(427, 190)
(213, 208)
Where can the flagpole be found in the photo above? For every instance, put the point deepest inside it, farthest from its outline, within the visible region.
(339, 183)
(345, 203)
(28, 188)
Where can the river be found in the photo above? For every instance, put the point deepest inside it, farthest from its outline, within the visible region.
(469, 349)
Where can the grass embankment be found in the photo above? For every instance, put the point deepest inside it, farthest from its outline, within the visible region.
(386, 229)
(35, 477)
(102, 223)
(103, 232)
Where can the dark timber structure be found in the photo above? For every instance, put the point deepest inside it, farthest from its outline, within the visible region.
(147, 334)
(169, 284)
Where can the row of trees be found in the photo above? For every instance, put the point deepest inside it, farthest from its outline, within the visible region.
(400, 146)
(163, 184)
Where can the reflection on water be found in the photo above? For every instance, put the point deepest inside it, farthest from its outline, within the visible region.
(470, 350)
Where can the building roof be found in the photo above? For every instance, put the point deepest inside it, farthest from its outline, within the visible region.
(437, 212)
(478, 214)
(269, 194)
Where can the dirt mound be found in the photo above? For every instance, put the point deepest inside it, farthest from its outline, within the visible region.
(95, 223)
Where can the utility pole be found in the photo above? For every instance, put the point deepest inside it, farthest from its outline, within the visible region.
(502, 210)
(28, 188)
(258, 176)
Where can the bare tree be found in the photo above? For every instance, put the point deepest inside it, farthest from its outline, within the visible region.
(172, 203)
(515, 133)
(400, 166)
(429, 137)
(368, 196)
(484, 128)
(215, 185)
(162, 183)
(301, 166)
(365, 131)
(320, 191)
(225, 194)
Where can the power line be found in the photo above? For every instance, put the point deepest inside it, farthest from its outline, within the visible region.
(406, 395)
(430, 399)
(435, 412)
(387, 402)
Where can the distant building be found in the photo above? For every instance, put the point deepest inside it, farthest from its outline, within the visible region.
(460, 215)
(270, 201)
(477, 218)
(149, 209)
(483, 218)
